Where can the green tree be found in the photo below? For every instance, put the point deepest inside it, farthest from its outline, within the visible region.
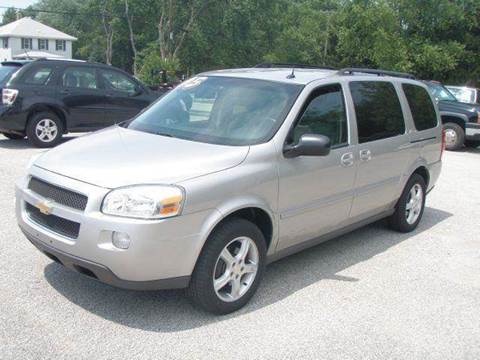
(9, 16)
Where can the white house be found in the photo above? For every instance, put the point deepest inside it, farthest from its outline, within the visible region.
(27, 38)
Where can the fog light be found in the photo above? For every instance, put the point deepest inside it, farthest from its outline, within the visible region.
(120, 240)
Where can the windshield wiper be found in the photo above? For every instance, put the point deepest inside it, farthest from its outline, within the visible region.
(162, 134)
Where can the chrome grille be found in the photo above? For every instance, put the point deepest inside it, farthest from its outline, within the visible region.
(59, 195)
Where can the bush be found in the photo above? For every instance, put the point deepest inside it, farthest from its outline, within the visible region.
(151, 66)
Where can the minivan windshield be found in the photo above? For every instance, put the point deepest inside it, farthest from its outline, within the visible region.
(220, 110)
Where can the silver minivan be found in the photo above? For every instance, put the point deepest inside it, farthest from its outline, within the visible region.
(230, 171)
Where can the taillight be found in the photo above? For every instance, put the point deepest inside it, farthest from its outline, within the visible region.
(443, 144)
(478, 117)
(9, 96)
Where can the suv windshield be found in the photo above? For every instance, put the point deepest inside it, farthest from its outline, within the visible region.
(440, 92)
(220, 110)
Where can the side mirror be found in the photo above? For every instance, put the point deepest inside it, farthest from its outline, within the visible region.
(308, 145)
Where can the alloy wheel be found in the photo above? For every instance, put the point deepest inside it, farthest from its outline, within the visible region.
(414, 204)
(235, 269)
(46, 130)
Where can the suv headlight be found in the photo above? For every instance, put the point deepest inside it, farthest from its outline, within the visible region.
(144, 201)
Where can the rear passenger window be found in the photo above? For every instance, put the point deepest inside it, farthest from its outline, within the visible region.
(39, 76)
(421, 106)
(79, 77)
(378, 110)
(324, 115)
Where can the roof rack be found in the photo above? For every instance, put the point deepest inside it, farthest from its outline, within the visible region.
(291, 66)
(352, 71)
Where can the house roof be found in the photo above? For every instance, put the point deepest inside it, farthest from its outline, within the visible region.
(27, 27)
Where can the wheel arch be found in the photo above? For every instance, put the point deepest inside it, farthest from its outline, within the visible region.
(48, 108)
(254, 211)
(449, 117)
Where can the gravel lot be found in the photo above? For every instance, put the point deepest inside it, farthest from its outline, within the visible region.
(372, 294)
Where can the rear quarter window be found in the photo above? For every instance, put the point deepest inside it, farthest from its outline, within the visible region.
(378, 110)
(421, 106)
(38, 75)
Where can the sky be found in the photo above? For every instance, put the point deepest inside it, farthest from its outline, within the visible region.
(15, 3)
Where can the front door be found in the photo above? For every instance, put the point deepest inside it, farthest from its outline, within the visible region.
(83, 98)
(383, 146)
(316, 192)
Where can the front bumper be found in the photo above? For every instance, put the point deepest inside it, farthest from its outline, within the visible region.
(162, 253)
(472, 131)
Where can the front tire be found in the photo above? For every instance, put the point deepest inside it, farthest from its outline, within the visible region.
(229, 268)
(13, 136)
(44, 129)
(454, 136)
(410, 206)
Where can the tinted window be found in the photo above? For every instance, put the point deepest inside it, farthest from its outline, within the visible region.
(117, 81)
(324, 115)
(79, 77)
(39, 76)
(421, 106)
(6, 71)
(378, 110)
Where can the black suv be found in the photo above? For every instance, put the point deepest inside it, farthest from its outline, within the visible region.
(461, 121)
(48, 98)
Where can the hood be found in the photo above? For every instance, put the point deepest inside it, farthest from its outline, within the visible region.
(457, 106)
(116, 157)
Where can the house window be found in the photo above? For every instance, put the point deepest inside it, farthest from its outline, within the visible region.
(60, 45)
(26, 44)
(42, 44)
(4, 43)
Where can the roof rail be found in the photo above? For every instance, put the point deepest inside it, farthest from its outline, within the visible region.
(290, 66)
(352, 71)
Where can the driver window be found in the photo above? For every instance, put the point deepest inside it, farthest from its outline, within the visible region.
(118, 82)
(324, 115)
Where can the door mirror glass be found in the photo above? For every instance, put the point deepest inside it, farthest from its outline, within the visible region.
(308, 145)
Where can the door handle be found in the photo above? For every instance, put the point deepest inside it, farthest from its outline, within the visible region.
(347, 159)
(365, 155)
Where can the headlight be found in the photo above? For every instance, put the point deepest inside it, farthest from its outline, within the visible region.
(144, 202)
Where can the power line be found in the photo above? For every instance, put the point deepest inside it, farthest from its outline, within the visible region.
(50, 11)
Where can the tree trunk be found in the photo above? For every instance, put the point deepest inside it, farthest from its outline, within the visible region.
(132, 39)
(107, 27)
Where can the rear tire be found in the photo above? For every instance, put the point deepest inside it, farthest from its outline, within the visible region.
(410, 206)
(454, 136)
(44, 129)
(240, 275)
(13, 136)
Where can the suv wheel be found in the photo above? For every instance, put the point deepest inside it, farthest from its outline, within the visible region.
(13, 136)
(44, 129)
(230, 267)
(410, 206)
(454, 136)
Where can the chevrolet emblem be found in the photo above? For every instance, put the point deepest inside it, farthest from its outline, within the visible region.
(45, 207)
